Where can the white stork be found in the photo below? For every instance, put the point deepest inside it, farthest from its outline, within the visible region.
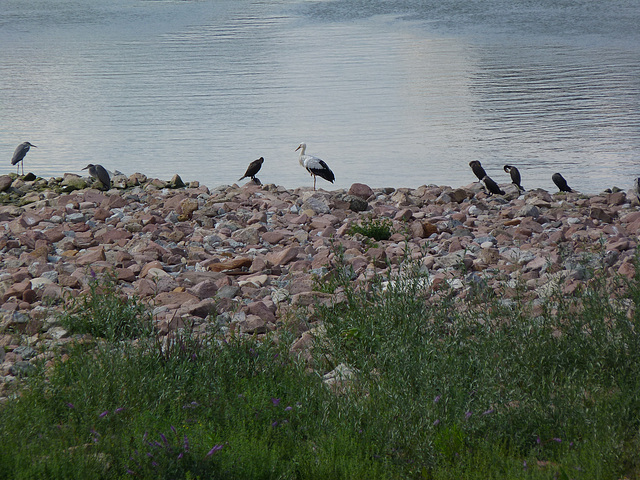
(315, 166)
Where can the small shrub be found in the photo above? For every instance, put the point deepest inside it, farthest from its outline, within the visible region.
(105, 313)
(378, 229)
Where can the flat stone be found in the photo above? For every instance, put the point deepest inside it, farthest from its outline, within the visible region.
(175, 298)
(283, 257)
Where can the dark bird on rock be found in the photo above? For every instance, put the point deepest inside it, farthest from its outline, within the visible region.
(99, 172)
(253, 168)
(477, 169)
(18, 155)
(315, 166)
(492, 186)
(515, 176)
(561, 183)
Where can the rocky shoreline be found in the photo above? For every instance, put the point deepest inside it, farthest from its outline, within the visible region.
(244, 258)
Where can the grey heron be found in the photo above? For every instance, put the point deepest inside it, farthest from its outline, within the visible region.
(99, 172)
(314, 165)
(561, 183)
(515, 176)
(253, 168)
(18, 155)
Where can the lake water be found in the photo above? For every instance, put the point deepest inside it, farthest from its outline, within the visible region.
(389, 93)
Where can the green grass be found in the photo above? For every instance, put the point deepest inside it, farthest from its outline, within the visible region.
(445, 388)
(378, 229)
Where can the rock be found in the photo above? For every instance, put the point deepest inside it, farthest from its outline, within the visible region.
(529, 211)
(176, 182)
(175, 298)
(204, 289)
(262, 311)
(203, 308)
(356, 204)
(230, 264)
(361, 190)
(227, 291)
(248, 236)
(5, 182)
(252, 324)
(283, 257)
(601, 214)
(316, 204)
(73, 182)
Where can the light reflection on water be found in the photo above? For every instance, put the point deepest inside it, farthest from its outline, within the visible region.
(395, 93)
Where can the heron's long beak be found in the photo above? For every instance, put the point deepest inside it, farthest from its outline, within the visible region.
(85, 167)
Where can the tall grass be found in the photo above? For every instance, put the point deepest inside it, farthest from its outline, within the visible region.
(444, 388)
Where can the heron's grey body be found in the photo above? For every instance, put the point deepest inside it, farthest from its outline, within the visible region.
(477, 169)
(253, 168)
(18, 155)
(315, 166)
(492, 187)
(515, 176)
(561, 183)
(99, 172)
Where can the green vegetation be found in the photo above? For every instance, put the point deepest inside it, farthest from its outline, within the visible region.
(443, 388)
(106, 313)
(378, 229)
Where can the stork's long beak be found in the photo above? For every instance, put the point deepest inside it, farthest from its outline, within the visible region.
(297, 148)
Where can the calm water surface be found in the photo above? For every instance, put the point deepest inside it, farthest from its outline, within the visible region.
(389, 93)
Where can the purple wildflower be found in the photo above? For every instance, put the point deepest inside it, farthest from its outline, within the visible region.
(436, 423)
(164, 439)
(144, 437)
(437, 399)
(118, 410)
(556, 439)
(154, 464)
(538, 440)
(186, 444)
(275, 401)
(149, 454)
(274, 424)
(214, 450)
(71, 405)
(524, 464)
(130, 472)
(288, 408)
(104, 414)
(180, 456)
(488, 412)
(468, 415)
(173, 429)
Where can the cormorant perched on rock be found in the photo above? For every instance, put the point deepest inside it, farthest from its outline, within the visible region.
(561, 183)
(253, 168)
(18, 155)
(314, 165)
(99, 172)
(492, 186)
(515, 176)
(478, 171)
